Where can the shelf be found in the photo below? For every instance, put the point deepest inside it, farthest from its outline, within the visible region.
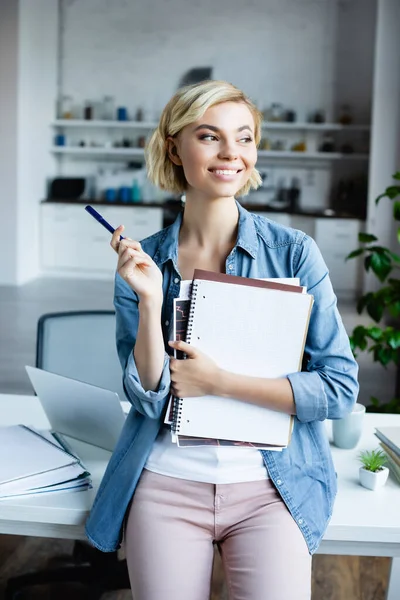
(310, 155)
(87, 151)
(313, 126)
(148, 125)
(139, 152)
(79, 123)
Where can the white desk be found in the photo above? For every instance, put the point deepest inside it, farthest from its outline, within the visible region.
(364, 523)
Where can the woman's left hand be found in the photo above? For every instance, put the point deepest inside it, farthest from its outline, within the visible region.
(197, 375)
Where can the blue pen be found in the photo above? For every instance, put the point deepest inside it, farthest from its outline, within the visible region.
(101, 220)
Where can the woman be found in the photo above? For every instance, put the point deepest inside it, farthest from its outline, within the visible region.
(266, 511)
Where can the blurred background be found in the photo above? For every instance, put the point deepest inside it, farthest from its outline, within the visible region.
(82, 84)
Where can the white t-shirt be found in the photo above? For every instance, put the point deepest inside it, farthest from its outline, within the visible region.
(207, 464)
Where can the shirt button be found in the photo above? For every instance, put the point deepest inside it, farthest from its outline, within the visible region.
(300, 521)
(230, 267)
(176, 280)
(279, 482)
(167, 323)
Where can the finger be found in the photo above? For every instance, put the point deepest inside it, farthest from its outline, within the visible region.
(177, 392)
(173, 364)
(184, 347)
(115, 241)
(128, 243)
(133, 255)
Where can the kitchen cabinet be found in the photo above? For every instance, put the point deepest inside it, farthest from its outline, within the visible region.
(336, 238)
(72, 242)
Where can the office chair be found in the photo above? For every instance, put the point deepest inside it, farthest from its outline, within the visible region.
(80, 345)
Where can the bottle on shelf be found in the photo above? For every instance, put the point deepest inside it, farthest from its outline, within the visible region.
(108, 108)
(293, 194)
(135, 191)
(65, 107)
(88, 111)
(345, 115)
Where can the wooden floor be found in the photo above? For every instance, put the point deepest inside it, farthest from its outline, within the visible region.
(334, 578)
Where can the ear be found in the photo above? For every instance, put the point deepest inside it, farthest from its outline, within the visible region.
(172, 150)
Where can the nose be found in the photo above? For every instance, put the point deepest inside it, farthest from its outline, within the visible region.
(228, 151)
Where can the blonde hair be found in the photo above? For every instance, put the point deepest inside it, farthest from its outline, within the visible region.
(187, 106)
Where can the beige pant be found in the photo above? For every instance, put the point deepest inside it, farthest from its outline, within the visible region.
(173, 523)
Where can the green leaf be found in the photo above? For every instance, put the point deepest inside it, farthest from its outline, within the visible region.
(379, 198)
(393, 339)
(378, 250)
(372, 460)
(374, 401)
(394, 256)
(394, 309)
(382, 355)
(396, 209)
(358, 338)
(396, 175)
(363, 301)
(392, 191)
(381, 265)
(355, 253)
(366, 238)
(375, 333)
(375, 310)
(367, 262)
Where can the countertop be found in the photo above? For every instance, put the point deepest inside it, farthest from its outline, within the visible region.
(175, 205)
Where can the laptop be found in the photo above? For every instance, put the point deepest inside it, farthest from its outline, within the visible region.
(80, 410)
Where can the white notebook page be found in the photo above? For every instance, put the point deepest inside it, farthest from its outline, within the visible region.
(249, 331)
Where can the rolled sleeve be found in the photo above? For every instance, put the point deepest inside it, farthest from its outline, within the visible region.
(151, 402)
(307, 385)
(327, 387)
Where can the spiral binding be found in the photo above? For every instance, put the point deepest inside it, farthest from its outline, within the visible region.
(176, 415)
(177, 406)
(189, 329)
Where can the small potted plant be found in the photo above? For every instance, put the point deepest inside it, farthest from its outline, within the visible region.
(373, 473)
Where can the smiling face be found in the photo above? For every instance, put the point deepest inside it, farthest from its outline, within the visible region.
(218, 152)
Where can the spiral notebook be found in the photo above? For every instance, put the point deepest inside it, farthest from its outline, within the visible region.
(250, 327)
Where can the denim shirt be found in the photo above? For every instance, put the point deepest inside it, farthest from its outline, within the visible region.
(326, 388)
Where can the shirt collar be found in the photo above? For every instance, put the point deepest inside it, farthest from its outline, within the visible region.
(247, 238)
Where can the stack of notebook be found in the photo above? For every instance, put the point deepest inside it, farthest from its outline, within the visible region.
(37, 463)
(247, 326)
(389, 438)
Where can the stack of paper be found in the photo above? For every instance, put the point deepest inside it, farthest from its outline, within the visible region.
(247, 326)
(37, 463)
(390, 441)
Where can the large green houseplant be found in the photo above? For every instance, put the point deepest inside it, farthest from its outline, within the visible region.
(381, 339)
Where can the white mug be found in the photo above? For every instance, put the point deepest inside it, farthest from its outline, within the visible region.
(347, 431)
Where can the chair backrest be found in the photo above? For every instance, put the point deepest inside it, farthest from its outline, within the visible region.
(80, 345)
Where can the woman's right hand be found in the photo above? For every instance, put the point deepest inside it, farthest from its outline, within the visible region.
(137, 268)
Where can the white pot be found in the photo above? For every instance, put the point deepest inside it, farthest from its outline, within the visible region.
(371, 480)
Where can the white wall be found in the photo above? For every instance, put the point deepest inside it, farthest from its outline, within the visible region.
(292, 51)
(37, 70)
(8, 139)
(385, 155)
(355, 44)
(276, 50)
(302, 53)
(28, 78)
